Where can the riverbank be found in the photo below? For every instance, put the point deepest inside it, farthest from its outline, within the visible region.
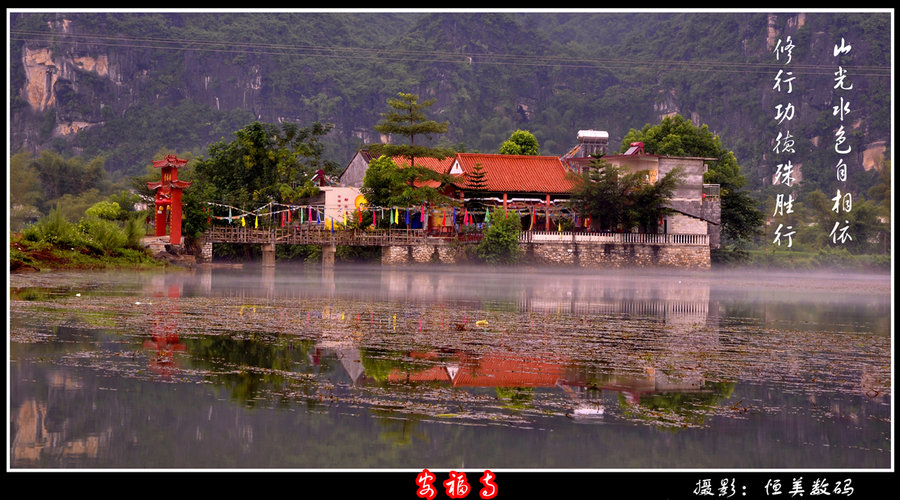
(30, 256)
(829, 259)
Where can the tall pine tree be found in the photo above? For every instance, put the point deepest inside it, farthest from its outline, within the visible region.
(408, 119)
(405, 186)
(476, 189)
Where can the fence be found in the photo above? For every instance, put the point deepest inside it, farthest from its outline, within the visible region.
(614, 238)
(318, 235)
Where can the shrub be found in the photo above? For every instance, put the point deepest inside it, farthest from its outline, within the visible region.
(54, 229)
(108, 210)
(500, 244)
(105, 234)
(134, 232)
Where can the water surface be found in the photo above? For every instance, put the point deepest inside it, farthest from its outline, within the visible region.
(407, 368)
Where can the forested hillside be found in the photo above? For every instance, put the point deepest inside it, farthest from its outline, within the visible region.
(128, 86)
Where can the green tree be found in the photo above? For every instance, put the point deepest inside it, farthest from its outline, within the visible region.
(500, 244)
(521, 142)
(407, 119)
(476, 189)
(742, 218)
(604, 193)
(880, 193)
(107, 210)
(649, 200)
(264, 163)
(615, 198)
(24, 193)
(388, 185)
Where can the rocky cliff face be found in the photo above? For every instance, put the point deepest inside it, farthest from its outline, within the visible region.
(71, 79)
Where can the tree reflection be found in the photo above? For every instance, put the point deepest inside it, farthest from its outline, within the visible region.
(258, 363)
(675, 409)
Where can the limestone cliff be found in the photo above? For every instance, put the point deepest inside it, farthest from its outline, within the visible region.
(128, 85)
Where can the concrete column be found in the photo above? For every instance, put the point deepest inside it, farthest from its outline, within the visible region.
(268, 254)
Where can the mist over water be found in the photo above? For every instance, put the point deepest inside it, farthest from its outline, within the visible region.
(369, 366)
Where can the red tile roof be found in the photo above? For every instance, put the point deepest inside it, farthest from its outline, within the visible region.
(491, 370)
(439, 166)
(503, 173)
(517, 173)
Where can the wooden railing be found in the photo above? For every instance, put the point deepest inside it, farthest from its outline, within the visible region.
(318, 235)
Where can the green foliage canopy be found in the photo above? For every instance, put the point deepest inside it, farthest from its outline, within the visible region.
(264, 163)
(388, 185)
(615, 198)
(407, 119)
(521, 142)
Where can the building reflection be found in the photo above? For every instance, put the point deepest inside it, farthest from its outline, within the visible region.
(586, 392)
(164, 341)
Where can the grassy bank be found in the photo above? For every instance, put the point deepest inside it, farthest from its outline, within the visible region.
(26, 255)
(823, 259)
(105, 237)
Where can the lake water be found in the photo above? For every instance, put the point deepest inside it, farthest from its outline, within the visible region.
(387, 368)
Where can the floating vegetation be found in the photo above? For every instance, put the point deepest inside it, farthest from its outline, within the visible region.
(480, 362)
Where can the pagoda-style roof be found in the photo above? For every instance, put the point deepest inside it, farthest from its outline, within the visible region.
(169, 161)
(168, 185)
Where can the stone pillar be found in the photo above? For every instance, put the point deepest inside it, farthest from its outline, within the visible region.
(206, 251)
(268, 281)
(393, 255)
(328, 255)
(268, 254)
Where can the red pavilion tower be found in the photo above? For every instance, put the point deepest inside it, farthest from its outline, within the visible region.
(168, 197)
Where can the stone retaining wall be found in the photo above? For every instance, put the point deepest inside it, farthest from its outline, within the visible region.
(614, 255)
(418, 254)
(610, 255)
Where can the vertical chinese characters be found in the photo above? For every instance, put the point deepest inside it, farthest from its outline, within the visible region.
(843, 202)
(784, 142)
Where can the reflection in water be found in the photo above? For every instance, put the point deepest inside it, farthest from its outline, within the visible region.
(42, 433)
(386, 355)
